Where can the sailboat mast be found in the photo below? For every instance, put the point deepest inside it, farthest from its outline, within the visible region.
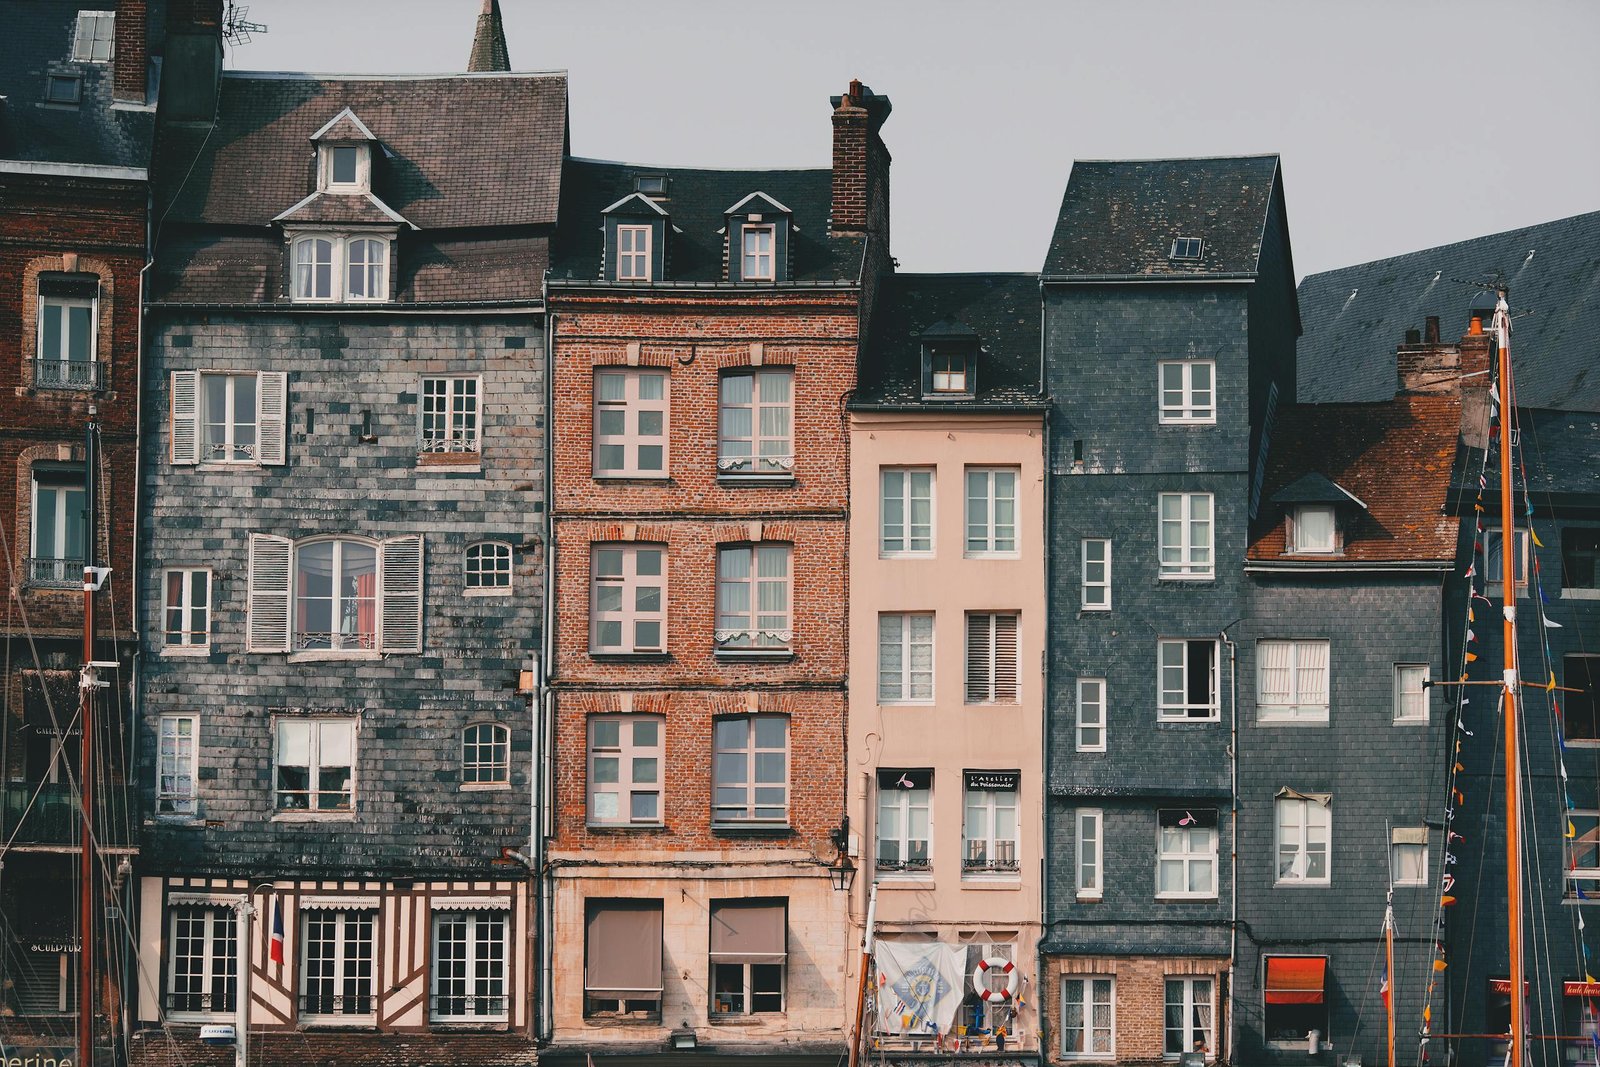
(1508, 693)
(86, 765)
(1388, 965)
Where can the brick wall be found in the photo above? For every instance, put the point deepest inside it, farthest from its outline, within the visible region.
(1140, 999)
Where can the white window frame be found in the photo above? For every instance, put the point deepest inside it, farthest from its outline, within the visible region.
(486, 761)
(770, 454)
(177, 765)
(233, 451)
(1303, 701)
(751, 811)
(1494, 582)
(314, 767)
(1088, 987)
(99, 43)
(303, 286)
(1298, 525)
(907, 537)
(1187, 1003)
(1183, 710)
(1411, 848)
(986, 680)
(343, 605)
(274, 596)
(633, 263)
(488, 568)
(346, 942)
(1182, 557)
(1096, 590)
(190, 636)
(753, 630)
(632, 757)
(904, 803)
(57, 569)
(634, 408)
(190, 419)
(913, 633)
(450, 415)
(1176, 845)
(1411, 704)
(474, 957)
(999, 855)
(1584, 841)
(986, 534)
(1091, 714)
(361, 182)
(1187, 248)
(1311, 816)
(1180, 401)
(1088, 850)
(218, 928)
(765, 262)
(630, 585)
(63, 352)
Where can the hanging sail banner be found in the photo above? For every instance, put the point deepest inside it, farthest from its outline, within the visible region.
(920, 985)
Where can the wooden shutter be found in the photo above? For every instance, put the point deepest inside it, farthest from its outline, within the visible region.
(267, 629)
(1005, 659)
(185, 424)
(400, 590)
(272, 402)
(980, 647)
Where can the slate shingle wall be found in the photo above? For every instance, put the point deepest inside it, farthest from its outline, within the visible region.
(411, 812)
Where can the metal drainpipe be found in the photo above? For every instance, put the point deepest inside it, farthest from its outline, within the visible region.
(1044, 713)
(543, 731)
(1233, 794)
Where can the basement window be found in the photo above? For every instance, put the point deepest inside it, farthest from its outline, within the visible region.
(1187, 247)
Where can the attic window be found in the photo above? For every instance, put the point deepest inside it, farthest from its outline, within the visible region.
(346, 168)
(64, 89)
(948, 369)
(650, 184)
(1187, 247)
(1314, 528)
(95, 37)
(758, 252)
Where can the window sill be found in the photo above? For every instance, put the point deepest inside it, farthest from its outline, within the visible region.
(991, 703)
(630, 657)
(491, 1026)
(1580, 594)
(1011, 882)
(906, 703)
(645, 1019)
(1106, 610)
(1289, 720)
(991, 555)
(623, 827)
(753, 1019)
(357, 1023)
(1186, 422)
(173, 820)
(1188, 577)
(325, 654)
(1583, 742)
(1325, 884)
(1185, 720)
(1090, 896)
(73, 586)
(504, 590)
(633, 479)
(227, 465)
(1411, 722)
(1185, 898)
(451, 462)
(313, 816)
(754, 830)
(485, 787)
(758, 480)
(908, 555)
(185, 651)
(775, 655)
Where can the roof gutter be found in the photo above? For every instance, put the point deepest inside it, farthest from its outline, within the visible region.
(466, 307)
(1240, 278)
(729, 287)
(1023, 407)
(1409, 566)
(74, 170)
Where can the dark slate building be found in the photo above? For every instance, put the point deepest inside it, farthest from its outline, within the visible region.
(1341, 741)
(77, 118)
(1170, 324)
(342, 562)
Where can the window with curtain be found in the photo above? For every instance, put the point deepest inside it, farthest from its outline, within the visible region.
(202, 958)
(755, 421)
(1292, 681)
(315, 763)
(906, 510)
(753, 598)
(750, 770)
(336, 595)
(1190, 1009)
(905, 658)
(904, 821)
(1088, 1018)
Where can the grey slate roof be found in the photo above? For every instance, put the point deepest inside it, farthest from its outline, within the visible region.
(1355, 316)
(1119, 218)
(1558, 453)
(1001, 309)
(695, 205)
(35, 42)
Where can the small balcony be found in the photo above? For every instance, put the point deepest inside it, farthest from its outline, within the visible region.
(48, 815)
(981, 859)
(53, 572)
(75, 374)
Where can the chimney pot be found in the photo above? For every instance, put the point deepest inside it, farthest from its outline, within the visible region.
(1413, 337)
(1431, 334)
(1475, 327)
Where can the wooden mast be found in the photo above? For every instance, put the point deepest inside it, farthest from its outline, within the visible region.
(1388, 966)
(1508, 692)
(86, 690)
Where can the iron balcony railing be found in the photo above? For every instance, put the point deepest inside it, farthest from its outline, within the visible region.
(55, 572)
(66, 374)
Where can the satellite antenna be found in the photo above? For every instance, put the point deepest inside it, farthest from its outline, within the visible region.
(236, 28)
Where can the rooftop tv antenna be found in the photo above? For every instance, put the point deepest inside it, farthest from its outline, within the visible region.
(236, 28)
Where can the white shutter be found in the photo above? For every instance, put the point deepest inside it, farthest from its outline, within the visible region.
(1005, 659)
(272, 400)
(185, 425)
(978, 657)
(267, 628)
(400, 591)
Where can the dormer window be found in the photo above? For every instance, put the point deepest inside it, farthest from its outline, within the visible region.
(633, 253)
(341, 267)
(949, 370)
(758, 252)
(949, 361)
(758, 229)
(1314, 528)
(650, 184)
(636, 239)
(346, 168)
(1187, 247)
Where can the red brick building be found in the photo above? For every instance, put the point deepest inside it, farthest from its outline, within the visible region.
(702, 352)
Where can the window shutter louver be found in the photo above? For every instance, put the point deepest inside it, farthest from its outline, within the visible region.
(185, 426)
(267, 629)
(1005, 659)
(272, 391)
(978, 646)
(400, 587)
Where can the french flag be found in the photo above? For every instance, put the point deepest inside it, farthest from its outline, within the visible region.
(275, 946)
(1383, 987)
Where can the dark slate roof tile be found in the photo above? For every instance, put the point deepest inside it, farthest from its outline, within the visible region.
(341, 208)
(695, 207)
(1355, 316)
(1001, 309)
(1119, 218)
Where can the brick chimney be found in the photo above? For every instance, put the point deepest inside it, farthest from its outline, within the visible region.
(132, 55)
(489, 43)
(191, 72)
(860, 163)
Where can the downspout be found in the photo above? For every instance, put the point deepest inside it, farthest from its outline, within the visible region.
(1233, 795)
(1044, 716)
(544, 700)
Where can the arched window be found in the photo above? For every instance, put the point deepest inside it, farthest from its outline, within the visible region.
(485, 754)
(366, 277)
(336, 595)
(489, 567)
(313, 268)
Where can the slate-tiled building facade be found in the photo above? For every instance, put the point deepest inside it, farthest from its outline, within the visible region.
(947, 623)
(1169, 334)
(704, 343)
(342, 586)
(76, 125)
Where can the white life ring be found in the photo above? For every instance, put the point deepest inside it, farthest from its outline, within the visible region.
(980, 978)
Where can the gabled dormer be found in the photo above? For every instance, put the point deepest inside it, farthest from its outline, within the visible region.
(1319, 514)
(949, 361)
(757, 230)
(636, 240)
(344, 155)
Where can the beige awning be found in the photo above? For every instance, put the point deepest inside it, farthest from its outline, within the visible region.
(1294, 794)
(1409, 835)
(748, 932)
(622, 950)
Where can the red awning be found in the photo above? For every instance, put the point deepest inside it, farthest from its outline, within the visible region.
(1295, 979)
(1577, 989)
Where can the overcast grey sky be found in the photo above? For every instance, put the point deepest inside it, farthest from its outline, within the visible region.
(1401, 123)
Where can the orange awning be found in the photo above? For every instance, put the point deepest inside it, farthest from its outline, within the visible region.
(1295, 979)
